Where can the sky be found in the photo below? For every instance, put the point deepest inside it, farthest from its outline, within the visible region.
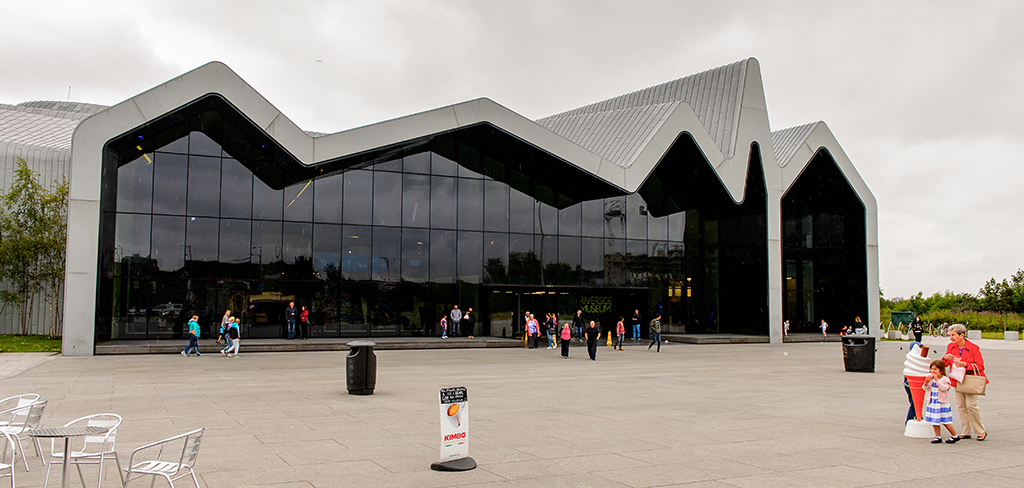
(925, 97)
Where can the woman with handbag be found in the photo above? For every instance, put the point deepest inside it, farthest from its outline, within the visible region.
(965, 354)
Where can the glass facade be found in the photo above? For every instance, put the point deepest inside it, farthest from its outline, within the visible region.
(205, 215)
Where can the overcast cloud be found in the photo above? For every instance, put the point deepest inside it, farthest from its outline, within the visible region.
(924, 96)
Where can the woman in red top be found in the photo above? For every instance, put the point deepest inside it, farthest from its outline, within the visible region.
(304, 323)
(965, 353)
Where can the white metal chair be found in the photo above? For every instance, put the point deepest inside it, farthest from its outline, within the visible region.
(7, 456)
(95, 450)
(25, 419)
(13, 403)
(170, 470)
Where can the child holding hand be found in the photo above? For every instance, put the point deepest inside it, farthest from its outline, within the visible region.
(936, 405)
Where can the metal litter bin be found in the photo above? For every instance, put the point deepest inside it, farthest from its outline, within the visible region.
(361, 367)
(859, 353)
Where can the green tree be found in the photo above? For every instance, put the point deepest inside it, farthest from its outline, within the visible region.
(33, 233)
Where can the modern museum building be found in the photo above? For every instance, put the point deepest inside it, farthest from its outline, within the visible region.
(198, 196)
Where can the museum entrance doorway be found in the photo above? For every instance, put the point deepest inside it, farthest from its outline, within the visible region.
(508, 306)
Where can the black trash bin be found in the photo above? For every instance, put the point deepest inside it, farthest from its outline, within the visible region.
(361, 367)
(859, 353)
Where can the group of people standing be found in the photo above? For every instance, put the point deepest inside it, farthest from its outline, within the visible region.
(293, 317)
(459, 322)
(590, 333)
(965, 355)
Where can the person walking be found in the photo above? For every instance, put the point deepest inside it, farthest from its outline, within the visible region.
(593, 334)
(655, 332)
(224, 321)
(444, 327)
(552, 325)
(304, 323)
(193, 337)
(577, 324)
(636, 325)
(290, 314)
(965, 354)
(233, 337)
(824, 328)
(785, 329)
(532, 332)
(566, 339)
(916, 326)
(620, 333)
(456, 320)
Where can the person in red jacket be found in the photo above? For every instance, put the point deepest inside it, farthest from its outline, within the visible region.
(620, 333)
(304, 323)
(966, 354)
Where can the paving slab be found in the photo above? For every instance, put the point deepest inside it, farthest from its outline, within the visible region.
(716, 415)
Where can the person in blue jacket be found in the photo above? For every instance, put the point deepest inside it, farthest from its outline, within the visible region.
(193, 337)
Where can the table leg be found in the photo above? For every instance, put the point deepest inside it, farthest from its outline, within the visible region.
(67, 456)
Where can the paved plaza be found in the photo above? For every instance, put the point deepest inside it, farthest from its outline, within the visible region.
(743, 415)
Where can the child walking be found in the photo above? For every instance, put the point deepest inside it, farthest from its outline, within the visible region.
(444, 327)
(936, 405)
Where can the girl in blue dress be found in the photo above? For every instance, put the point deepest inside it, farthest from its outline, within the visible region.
(936, 405)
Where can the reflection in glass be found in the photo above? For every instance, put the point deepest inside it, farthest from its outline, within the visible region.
(495, 257)
(523, 262)
(443, 203)
(203, 186)
(200, 144)
(568, 260)
(297, 242)
(327, 251)
(416, 201)
(636, 262)
(415, 254)
(657, 228)
(201, 239)
(593, 218)
(266, 242)
(132, 238)
(442, 166)
(168, 245)
(179, 146)
(569, 220)
(327, 199)
(636, 217)
(520, 212)
(387, 198)
(592, 254)
(267, 204)
(471, 203)
(546, 219)
(417, 163)
(676, 225)
(496, 206)
(135, 186)
(356, 246)
(385, 264)
(615, 217)
(358, 197)
(470, 256)
(442, 256)
(615, 261)
(298, 202)
(234, 241)
(235, 190)
(170, 183)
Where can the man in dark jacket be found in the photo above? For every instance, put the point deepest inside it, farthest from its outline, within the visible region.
(290, 314)
(636, 324)
(593, 334)
(577, 324)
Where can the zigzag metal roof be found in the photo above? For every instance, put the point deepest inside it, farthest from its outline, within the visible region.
(785, 142)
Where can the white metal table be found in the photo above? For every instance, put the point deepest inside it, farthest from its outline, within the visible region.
(67, 433)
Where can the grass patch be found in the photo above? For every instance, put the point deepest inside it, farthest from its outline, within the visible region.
(29, 343)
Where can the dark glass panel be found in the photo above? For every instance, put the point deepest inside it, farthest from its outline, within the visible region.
(615, 217)
(569, 261)
(417, 163)
(351, 311)
(235, 246)
(636, 217)
(569, 220)
(203, 186)
(494, 169)
(325, 313)
(170, 183)
(523, 262)
(168, 243)
(443, 203)
(201, 145)
(471, 200)
(179, 146)
(657, 228)
(387, 254)
(657, 262)
(131, 245)
(327, 199)
(520, 212)
(676, 226)
(614, 258)
(327, 251)
(495, 257)
(266, 248)
(235, 190)
(356, 247)
(470, 162)
(135, 186)
(442, 166)
(636, 262)
(394, 165)
(416, 201)
(267, 204)
(358, 197)
(442, 256)
(495, 206)
(297, 242)
(593, 218)
(298, 202)
(546, 219)
(470, 256)
(592, 254)
(415, 254)
(546, 248)
(387, 199)
(201, 239)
